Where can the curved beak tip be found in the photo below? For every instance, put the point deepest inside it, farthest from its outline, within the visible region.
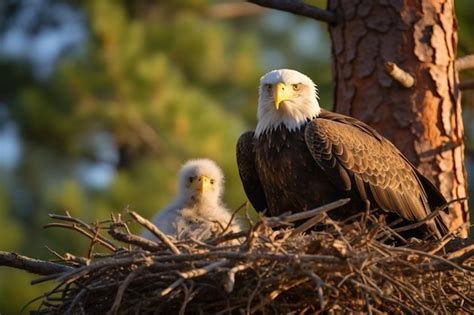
(279, 94)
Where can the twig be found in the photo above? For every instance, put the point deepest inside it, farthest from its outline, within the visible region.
(74, 227)
(202, 271)
(118, 298)
(465, 62)
(310, 213)
(403, 77)
(155, 230)
(133, 239)
(421, 253)
(36, 266)
(249, 256)
(171, 287)
(418, 223)
(92, 230)
(300, 8)
(308, 224)
(234, 213)
(275, 293)
(319, 285)
(230, 279)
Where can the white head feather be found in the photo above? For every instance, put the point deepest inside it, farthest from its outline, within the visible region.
(293, 112)
(191, 171)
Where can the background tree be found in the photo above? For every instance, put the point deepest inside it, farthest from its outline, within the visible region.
(102, 101)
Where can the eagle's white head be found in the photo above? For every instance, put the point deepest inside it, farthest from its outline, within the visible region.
(286, 97)
(201, 181)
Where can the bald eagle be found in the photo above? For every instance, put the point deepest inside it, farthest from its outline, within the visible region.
(302, 156)
(197, 211)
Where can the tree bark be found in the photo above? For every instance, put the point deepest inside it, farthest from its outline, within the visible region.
(423, 121)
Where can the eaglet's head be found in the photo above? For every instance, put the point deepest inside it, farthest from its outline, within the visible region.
(286, 97)
(201, 180)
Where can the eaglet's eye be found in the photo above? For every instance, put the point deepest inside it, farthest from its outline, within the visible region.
(296, 87)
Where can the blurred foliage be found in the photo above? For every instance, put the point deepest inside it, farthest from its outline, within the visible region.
(153, 84)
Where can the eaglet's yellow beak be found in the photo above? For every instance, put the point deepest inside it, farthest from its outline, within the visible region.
(282, 93)
(201, 184)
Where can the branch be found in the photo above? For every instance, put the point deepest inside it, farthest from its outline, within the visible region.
(465, 63)
(467, 85)
(133, 239)
(155, 230)
(399, 75)
(36, 266)
(300, 8)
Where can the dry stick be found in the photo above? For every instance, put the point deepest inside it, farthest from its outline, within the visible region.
(421, 253)
(461, 294)
(230, 277)
(76, 259)
(310, 213)
(428, 217)
(121, 290)
(399, 75)
(319, 284)
(91, 229)
(444, 265)
(36, 266)
(133, 239)
(406, 288)
(93, 242)
(74, 227)
(188, 296)
(252, 256)
(202, 271)
(465, 62)
(308, 224)
(234, 213)
(155, 230)
(75, 301)
(298, 7)
(275, 293)
(227, 237)
(171, 287)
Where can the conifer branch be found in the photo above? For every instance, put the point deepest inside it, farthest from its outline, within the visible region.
(298, 7)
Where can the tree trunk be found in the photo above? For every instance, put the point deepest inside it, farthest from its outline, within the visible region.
(424, 121)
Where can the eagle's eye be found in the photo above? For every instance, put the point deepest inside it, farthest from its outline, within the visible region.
(268, 87)
(212, 182)
(296, 87)
(190, 179)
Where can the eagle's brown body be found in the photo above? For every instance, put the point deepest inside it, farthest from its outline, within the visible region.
(331, 157)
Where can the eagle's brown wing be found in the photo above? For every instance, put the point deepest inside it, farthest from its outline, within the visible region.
(354, 156)
(248, 172)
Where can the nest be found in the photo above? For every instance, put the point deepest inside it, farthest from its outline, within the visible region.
(272, 267)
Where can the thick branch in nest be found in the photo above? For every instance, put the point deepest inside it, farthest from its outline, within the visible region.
(36, 266)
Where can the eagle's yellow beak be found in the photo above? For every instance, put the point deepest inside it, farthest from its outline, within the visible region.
(201, 184)
(281, 94)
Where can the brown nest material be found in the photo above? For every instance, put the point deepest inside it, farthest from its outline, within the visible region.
(347, 267)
